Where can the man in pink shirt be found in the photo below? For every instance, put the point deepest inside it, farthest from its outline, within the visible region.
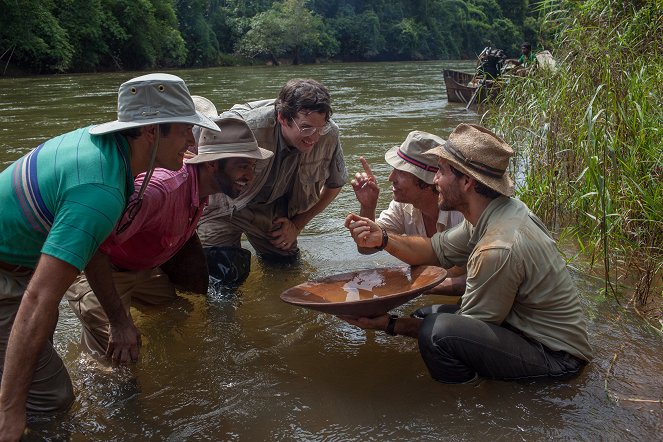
(154, 249)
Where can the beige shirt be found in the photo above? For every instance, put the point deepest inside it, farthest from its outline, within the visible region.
(515, 274)
(299, 177)
(405, 219)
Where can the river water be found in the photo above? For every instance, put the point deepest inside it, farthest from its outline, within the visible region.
(243, 365)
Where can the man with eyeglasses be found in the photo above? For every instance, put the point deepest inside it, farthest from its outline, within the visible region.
(154, 250)
(305, 174)
(59, 202)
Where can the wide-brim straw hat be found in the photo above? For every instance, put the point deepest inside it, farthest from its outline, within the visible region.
(234, 140)
(480, 154)
(154, 99)
(413, 155)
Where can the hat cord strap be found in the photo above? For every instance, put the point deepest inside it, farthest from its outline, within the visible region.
(476, 165)
(150, 169)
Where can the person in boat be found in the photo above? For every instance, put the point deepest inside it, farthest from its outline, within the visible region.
(303, 177)
(413, 210)
(520, 316)
(491, 62)
(526, 61)
(59, 202)
(155, 250)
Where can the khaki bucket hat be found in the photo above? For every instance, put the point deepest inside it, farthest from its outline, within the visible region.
(413, 155)
(479, 153)
(234, 140)
(154, 99)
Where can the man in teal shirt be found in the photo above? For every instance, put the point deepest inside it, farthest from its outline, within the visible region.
(60, 201)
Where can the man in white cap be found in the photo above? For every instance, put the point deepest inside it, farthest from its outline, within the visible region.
(520, 316)
(159, 250)
(59, 202)
(413, 210)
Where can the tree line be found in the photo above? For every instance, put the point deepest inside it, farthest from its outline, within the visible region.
(47, 36)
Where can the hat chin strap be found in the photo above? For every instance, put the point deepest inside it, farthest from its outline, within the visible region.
(150, 169)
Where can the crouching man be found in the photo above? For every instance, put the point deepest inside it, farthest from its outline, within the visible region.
(154, 249)
(520, 316)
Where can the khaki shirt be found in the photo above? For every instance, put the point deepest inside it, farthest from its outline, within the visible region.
(516, 275)
(289, 173)
(405, 219)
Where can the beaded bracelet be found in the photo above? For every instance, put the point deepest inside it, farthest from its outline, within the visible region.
(385, 239)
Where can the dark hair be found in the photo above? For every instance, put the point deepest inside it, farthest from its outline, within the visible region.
(479, 188)
(134, 132)
(303, 95)
(424, 185)
(526, 45)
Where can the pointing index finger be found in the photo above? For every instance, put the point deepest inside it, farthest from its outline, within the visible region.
(366, 167)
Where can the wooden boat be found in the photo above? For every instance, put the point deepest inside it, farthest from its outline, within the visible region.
(459, 89)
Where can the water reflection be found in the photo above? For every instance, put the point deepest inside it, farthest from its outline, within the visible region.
(242, 365)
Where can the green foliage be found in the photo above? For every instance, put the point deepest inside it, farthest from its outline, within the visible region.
(588, 135)
(79, 35)
(31, 35)
(200, 40)
(289, 27)
(358, 35)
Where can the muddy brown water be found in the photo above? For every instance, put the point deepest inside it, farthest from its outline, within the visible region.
(243, 365)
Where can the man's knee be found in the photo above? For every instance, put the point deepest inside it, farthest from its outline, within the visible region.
(438, 337)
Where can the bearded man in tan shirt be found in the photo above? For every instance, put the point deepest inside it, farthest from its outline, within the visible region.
(520, 316)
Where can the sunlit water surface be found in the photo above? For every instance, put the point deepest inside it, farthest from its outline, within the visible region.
(243, 365)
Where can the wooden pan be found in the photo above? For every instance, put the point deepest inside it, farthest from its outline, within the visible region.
(368, 293)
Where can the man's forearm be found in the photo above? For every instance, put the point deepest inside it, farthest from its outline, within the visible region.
(327, 195)
(367, 212)
(100, 277)
(414, 250)
(33, 326)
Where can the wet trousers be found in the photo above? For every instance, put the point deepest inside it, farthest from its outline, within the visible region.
(255, 221)
(457, 349)
(145, 287)
(51, 389)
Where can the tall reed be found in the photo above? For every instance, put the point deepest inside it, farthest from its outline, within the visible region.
(588, 135)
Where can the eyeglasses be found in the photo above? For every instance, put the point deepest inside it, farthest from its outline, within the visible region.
(308, 131)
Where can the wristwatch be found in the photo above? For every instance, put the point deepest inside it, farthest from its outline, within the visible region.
(391, 325)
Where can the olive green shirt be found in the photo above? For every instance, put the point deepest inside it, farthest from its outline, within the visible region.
(516, 275)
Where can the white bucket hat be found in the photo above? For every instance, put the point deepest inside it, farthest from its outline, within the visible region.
(234, 140)
(205, 106)
(412, 156)
(154, 99)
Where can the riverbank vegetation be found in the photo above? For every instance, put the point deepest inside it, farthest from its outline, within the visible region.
(51, 36)
(589, 137)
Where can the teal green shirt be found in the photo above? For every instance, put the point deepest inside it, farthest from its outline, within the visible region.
(526, 61)
(64, 198)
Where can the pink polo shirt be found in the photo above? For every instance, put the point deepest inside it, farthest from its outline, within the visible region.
(166, 220)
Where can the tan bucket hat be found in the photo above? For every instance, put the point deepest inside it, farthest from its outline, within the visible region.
(413, 155)
(479, 153)
(154, 99)
(234, 140)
